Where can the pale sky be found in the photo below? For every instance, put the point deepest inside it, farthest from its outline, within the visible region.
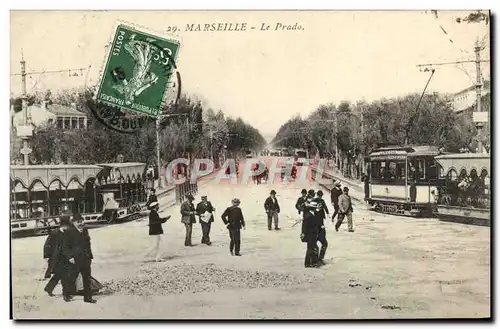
(265, 77)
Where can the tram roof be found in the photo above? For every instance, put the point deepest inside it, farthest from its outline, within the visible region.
(121, 164)
(417, 150)
(28, 176)
(467, 161)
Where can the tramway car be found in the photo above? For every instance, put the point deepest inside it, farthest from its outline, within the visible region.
(403, 180)
(466, 194)
(102, 194)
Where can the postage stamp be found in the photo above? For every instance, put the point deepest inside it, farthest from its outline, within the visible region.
(138, 72)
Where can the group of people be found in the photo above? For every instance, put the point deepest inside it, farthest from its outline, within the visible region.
(232, 218)
(314, 211)
(68, 252)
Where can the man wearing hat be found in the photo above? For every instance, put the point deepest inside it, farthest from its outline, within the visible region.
(309, 233)
(345, 209)
(77, 250)
(152, 198)
(155, 229)
(322, 214)
(272, 208)
(233, 219)
(334, 196)
(299, 205)
(55, 260)
(205, 210)
(188, 218)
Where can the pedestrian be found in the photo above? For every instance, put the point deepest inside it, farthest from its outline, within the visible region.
(152, 198)
(234, 221)
(366, 181)
(205, 210)
(77, 250)
(188, 218)
(299, 205)
(322, 214)
(309, 233)
(155, 229)
(272, 208)
(334, 196)
(345, 210)
(52, 252)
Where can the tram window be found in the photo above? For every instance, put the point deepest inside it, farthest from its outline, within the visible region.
(400, 170)
(420, 169)
(375, 170)
(432, 170)
(452, 175)
(391, 170)
(382, 170)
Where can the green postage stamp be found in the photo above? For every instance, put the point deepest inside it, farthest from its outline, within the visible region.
(138, 71)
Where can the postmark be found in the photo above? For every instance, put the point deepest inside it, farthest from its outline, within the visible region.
(139, 82)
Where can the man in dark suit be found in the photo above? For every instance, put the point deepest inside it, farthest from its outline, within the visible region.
(78, 251)
(322, 213)
(272, 208)
(52, 252)
(233, 218)
(299, 205)
(205, 210)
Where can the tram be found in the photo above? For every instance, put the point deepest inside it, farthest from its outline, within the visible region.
(102, 194)
(466, 193)
(404, 180)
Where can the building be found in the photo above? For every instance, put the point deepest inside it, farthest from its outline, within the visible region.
(466, 98)
(65, 117)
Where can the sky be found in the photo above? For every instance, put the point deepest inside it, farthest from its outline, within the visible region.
(264, 77)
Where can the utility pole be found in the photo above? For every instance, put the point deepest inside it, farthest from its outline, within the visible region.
(26, 130)
(477, 50)
(478, 85)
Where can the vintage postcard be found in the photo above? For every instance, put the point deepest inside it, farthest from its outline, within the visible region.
(250, 164)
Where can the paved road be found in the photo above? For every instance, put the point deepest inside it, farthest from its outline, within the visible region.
(391, 267)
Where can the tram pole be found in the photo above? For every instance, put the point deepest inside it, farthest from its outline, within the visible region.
(25, 135)
(477, 50)
(158, 150)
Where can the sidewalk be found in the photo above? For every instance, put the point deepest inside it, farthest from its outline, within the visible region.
(356, 187)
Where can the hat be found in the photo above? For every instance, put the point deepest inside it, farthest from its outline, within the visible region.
(346, 189)
(273, 192)
(203, 196)
(337, 183)
(235, 202)
(304, 191)
(320, 193)
(190, 197)
(311, 192)
(152, 205)
(153, 190)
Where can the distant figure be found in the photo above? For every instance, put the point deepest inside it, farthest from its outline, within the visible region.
(188, 218)
(155, 229)
(152, 197)
(205, 210)
(334, 197)
(272, 208)
(234, 221)
(345, 210)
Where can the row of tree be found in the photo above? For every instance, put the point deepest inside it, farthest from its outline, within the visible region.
(192, 131)
(348, 131)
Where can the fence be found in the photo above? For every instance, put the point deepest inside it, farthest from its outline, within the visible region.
(181, 190)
